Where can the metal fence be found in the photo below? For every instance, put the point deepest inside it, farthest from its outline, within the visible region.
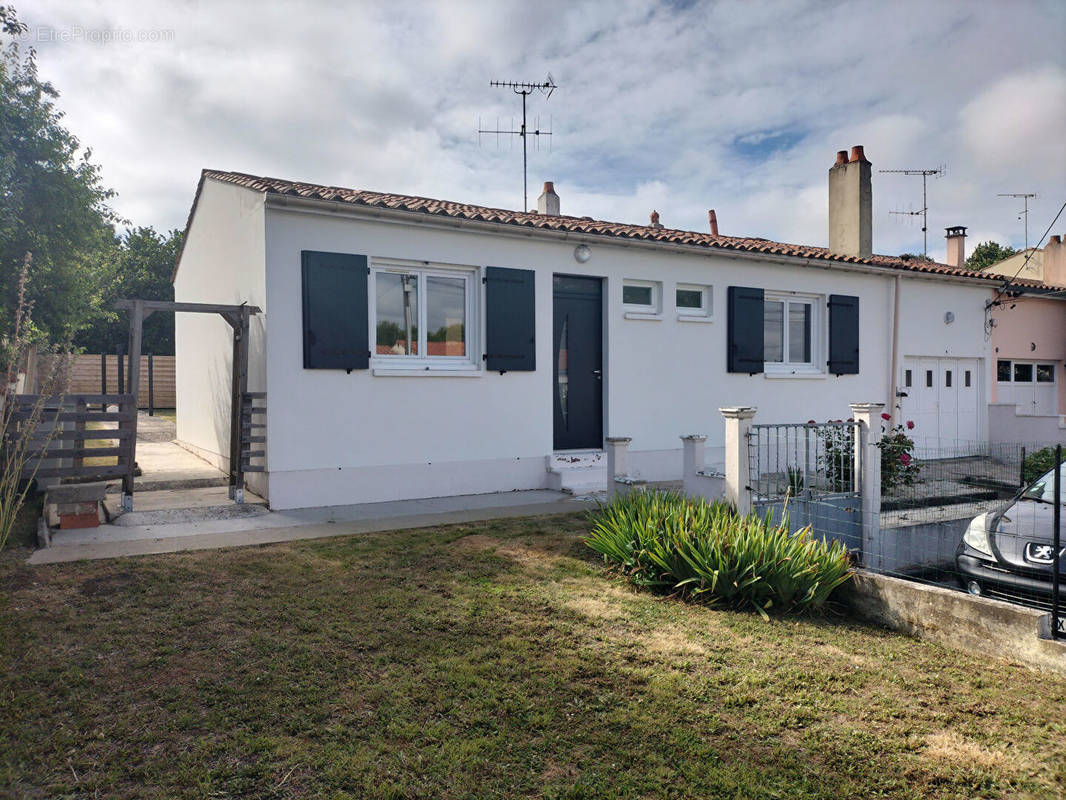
(974, 516)
(808, 474)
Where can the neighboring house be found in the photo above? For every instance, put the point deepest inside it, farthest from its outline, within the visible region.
(418, 348)
(1027, 332)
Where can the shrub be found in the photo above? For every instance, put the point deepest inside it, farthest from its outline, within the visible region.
(898, 465)
(1038, 463)
(705, 552)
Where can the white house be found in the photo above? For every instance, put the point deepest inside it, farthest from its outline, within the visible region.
(416, 348)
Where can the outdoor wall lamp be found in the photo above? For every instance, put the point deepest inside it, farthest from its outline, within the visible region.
(582, 253)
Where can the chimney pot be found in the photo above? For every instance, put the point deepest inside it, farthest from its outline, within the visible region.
(1055, 238)
(713, 219)
(857, 154)
(548, 202)
(842, 157)
(655, 219)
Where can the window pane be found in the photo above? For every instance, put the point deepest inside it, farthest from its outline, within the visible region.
(799, 333)
(397, 314)
(690, 298)
(929, 378)
(967, 379)
(1023, 373)
(773, 331)
(445, 316)
(907, 380)
(1045, 373)
(636, 295)
(1003, 371)
(947, 378)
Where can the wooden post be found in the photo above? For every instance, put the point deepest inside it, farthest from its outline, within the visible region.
(79, 428)
(121, 356)
(136, 323)
(103, 379)
(151, 387)
(240, 389)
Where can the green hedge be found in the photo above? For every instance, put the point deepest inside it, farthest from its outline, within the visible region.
(705, 552)
(1037, 464)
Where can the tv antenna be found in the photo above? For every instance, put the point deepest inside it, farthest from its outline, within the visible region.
(1025, 211)
(925, 173)
(525, 89)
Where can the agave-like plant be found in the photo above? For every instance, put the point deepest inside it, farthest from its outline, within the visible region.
(705, 551)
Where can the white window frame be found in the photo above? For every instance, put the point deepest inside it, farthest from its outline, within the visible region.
(1034, 364)
(819, 336)
(641, 311)
(705, 313)
(424, 363)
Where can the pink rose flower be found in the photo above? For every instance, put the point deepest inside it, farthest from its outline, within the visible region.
(904, 459)
(886, 417)
(811, 422)
(910, 425)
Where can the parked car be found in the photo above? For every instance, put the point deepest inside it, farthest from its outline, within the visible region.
(1009, 551)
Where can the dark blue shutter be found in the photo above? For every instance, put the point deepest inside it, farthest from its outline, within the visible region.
(336, 327)
(745, 330)
(510, 320)
(843, 334)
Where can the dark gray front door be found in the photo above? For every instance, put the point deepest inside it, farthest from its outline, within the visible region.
(578, 362)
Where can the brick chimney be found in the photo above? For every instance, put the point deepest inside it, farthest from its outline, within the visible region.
(548, 202)
(851, 205)
(1055, 261)
(956, 246)
(713, 219)
(655, 220)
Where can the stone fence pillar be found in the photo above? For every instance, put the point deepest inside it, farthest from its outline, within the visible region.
(617, 462)
(868, 475)
(738, 422)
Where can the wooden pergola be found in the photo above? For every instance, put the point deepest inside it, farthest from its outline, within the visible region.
(238, 317)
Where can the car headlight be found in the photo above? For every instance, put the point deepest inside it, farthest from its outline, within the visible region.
(977, 535)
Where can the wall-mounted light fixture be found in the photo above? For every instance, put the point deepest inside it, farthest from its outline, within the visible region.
(582, 253)
(949, 317)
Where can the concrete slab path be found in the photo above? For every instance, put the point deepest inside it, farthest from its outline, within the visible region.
(112, 541)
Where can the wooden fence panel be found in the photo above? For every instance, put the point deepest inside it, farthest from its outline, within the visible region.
(85, 377)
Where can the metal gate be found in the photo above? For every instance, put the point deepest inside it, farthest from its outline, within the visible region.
(809, 474)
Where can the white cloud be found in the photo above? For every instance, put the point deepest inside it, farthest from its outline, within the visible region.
(734, 106)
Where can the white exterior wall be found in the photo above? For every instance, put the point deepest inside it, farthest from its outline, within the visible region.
(924, 333)
(337, 438)
(223, 262)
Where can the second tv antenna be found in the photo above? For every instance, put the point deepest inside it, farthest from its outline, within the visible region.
(1025, 212)
(925, 173)
(524, 89)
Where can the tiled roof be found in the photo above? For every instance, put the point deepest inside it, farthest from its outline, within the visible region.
(586, 225)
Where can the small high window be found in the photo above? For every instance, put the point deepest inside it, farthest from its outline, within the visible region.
(947, 378)
(929, 379)
(966, 379)
(641, 297)
(692, 300)
(1045, 373)
(907, 378)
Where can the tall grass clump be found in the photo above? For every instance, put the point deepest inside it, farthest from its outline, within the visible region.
(705, 552)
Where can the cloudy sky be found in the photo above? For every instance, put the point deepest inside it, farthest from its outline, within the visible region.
(678, 106)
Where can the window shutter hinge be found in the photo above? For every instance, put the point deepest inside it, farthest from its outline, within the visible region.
(484, 279)
(368, 270)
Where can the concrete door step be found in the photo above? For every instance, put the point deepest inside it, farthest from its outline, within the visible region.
(578, 473)
(170, 516)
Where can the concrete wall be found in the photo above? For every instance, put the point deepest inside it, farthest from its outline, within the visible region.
(1007, 425)
(954, 619)
(362, 437)
(1031, 329)
(223, 262)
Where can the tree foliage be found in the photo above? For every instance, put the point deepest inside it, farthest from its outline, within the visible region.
(143, 265)
(988, 253)
(52, 202)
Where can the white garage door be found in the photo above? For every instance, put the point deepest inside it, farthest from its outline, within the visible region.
(942, 400)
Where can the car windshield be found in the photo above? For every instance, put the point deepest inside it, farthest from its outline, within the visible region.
(1044, 488)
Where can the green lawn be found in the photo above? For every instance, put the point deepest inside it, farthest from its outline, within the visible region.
(487, 660)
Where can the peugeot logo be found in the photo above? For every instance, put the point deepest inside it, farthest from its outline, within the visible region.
(1042, 553)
